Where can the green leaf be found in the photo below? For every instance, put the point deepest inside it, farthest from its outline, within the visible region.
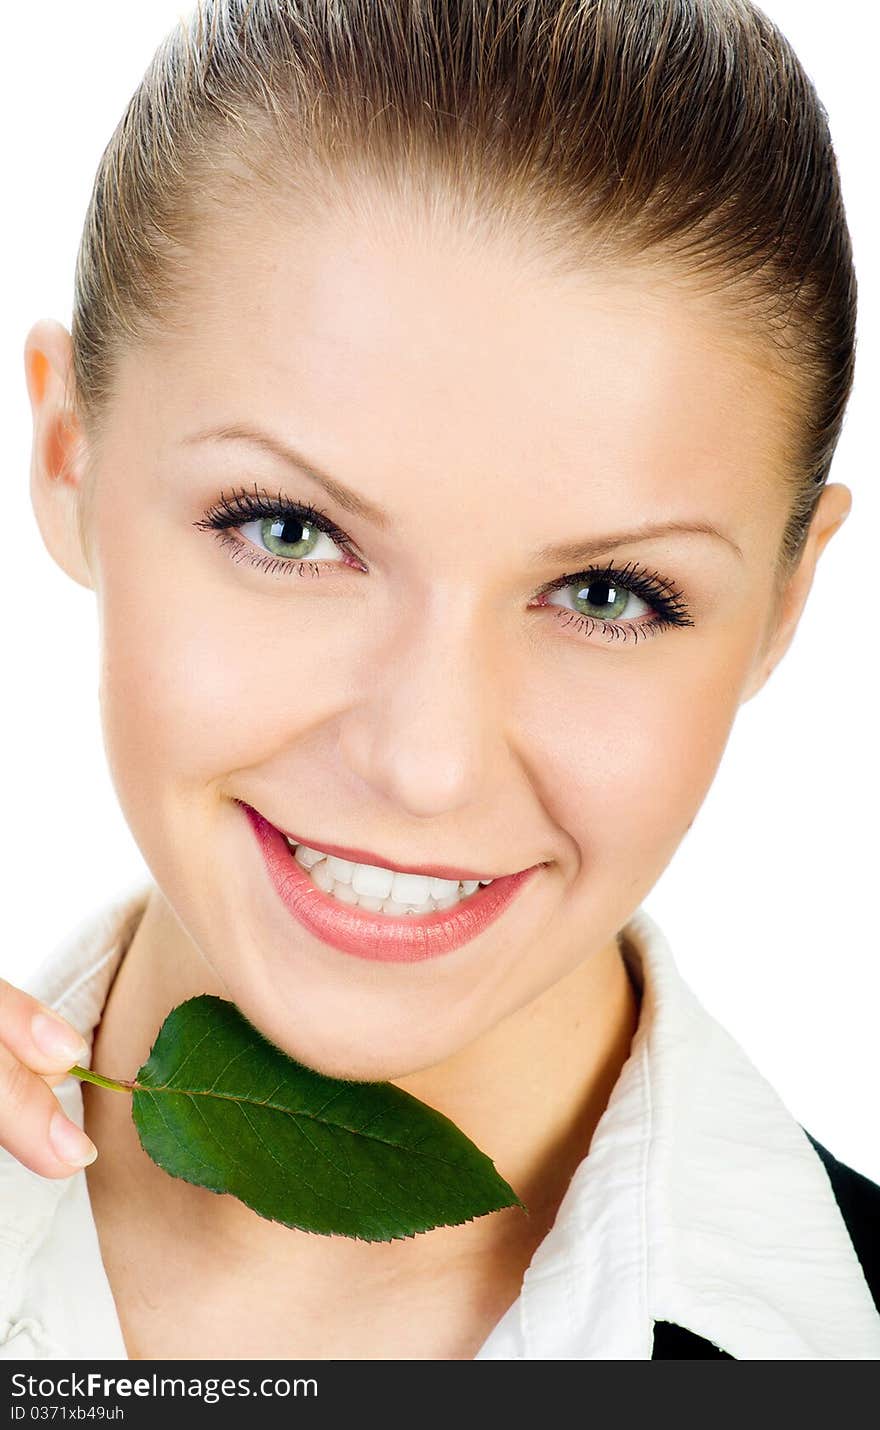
(219, 1105)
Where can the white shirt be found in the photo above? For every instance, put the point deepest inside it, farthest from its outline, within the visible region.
(701, 1201)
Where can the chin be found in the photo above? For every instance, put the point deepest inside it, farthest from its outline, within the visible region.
(367, 1064)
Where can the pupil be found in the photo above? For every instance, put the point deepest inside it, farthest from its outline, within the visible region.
(601, 594)
(289, 532)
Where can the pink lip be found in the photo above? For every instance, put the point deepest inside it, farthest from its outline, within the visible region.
(365, 856)
(386, 937)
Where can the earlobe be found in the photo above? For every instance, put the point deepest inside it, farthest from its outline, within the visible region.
(58, 451)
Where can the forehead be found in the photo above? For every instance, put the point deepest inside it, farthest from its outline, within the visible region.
(386, 346)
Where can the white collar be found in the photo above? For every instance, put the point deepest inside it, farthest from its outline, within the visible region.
(41, 1302)
(701, 1201)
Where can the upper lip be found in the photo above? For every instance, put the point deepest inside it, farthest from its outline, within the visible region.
(366, 856)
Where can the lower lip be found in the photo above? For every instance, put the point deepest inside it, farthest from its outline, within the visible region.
(388, 938)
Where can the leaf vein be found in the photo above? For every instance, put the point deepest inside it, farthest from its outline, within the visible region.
(224, 1070)
(329, 1103)
(288, 1170)
(193, 1049)
(169, 1127)
(222, 1145)
(299, 1112)
(343, 1171)
(404, 1210)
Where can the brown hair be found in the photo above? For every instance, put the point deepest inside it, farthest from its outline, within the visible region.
(684, 132)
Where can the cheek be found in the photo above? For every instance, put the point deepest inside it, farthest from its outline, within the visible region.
(627, 765)
(199, 676)
(202, 672)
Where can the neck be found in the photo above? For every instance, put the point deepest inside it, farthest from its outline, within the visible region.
(529, 1093)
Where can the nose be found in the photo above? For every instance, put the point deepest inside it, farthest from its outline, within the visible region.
(429, 734)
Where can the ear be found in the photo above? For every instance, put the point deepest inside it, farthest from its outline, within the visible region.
(58, 450)
(831, 512)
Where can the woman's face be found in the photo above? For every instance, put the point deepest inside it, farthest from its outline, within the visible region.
(424, 694)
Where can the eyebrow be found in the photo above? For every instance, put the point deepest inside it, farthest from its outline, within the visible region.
(567, 552)
(346, 497)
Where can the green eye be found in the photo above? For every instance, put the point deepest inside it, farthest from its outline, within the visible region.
(602, 597)
(604, 600)
(286, 536)
(293, 538)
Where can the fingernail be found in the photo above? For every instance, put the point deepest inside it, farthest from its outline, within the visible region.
(70, 1142)
(56, 1038)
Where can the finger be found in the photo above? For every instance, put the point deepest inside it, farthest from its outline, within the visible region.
(35, 1035)
(33, 1125)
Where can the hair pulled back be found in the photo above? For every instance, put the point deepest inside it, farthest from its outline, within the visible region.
(681, 132)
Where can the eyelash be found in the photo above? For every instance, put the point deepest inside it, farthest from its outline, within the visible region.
(242, 506)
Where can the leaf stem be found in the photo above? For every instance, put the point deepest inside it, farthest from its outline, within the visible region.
(115, 1085)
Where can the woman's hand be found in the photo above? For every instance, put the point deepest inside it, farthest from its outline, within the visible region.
(37, 1048)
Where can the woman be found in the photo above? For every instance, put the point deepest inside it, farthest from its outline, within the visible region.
(444, 430)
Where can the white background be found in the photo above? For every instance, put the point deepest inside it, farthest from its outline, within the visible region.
(770, 903)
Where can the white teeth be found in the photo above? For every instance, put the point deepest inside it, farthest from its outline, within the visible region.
(372, 881)
(391, 906)
(374, 906)
(410, 889)
(341, 869)
(381, 890)
(306, 856)
(322, 877)
(442, 888)
(344, 892)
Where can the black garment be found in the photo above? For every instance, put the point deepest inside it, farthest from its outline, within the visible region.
(859, 1201)
(672, 1342)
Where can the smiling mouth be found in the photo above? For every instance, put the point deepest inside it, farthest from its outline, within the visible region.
(371, 860)
(378, 888)
(412, 929)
